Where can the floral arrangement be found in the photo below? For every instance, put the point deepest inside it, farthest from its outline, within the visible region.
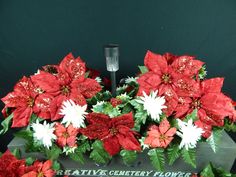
(166, 109)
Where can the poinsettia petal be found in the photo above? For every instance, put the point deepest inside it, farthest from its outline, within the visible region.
(12, 99)
(47, 82)
(171, 132)
(98, 118)
(129, 142)
(111, 145)
(148, 82)
(166, 142)
(181, 110)
(187, 65)
(31, 174)
(21, 116)
(155, 62)
(125, 120)
(206, 128)
(49, 173)
(46, 165)
(213, 85)
(55, 107)
(96, 131)
(42, 105)
(164, 126)
(88, 87)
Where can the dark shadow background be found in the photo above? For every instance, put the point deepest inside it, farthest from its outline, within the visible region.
(34, 33)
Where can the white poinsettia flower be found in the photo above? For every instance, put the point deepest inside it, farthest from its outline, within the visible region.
(98, 79)
(130, 79)
(73, 114)
(189, 133)
(153, 104)
(44, 133)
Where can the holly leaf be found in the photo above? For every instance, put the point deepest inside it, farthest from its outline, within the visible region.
(207, 171)
(192, 115)
(128, 157)
(189, 156)
(143, 69)
(127, 108)
(173, 153)
(29, 161)
(5, 124)
(157, 158)
(56, 165)
(53, 153)
(98, 154)
(136, 105)
(215, 138)
(202, 72)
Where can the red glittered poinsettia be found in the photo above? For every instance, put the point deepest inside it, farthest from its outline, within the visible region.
(212, 105)
(160, 136)
(22, 99)
(114, 132)
(66, 81)
(66, 136)
(171, 79)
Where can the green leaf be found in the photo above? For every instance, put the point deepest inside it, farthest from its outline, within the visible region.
(128, 157)
(189, 156)
(56, 165)
(143, 69)
(29, 161)
(16, 153)
(25, 134)
(192, 116)
(53, 153)
(77, 156)
(127, 108)
(5, 124)
(136, 105)
(83, 147)
(215, 138)
(0, 154)
(86, 75)
(98, 153)
(207, 171)
(106, 108)
(202, 72)
(157, 158)
(230, 126)
(173, 153)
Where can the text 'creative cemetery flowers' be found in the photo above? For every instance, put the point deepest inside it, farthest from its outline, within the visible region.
(168, 108)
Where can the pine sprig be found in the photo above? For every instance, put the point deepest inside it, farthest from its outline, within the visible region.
(215, 138)
(189, 156)
(98, 154)
(157, 158)
(207, 171)
(128, 157)
(77, 156)
(53, 153)
(173, 153)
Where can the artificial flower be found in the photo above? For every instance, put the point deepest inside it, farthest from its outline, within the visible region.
(67, 82)
(66, 136)
(22, 99)
(10, 165)
(189, 133)
(41, 169)
(114, 132)
(73, 114)
(129, 80)
(160, 136)
(212, 105)
(44, 133)
(153, 104)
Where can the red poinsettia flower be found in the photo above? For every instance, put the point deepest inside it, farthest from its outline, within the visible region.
(160, 136)
(170, 80)
(10, 165)
(41, 170)
(114, 132)
(23, 100)
(66, 82)
(66, 136)
(212, 105)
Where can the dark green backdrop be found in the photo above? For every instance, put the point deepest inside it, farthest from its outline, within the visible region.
(34, 33)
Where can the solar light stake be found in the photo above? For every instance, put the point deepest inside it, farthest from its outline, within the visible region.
(112, 61)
